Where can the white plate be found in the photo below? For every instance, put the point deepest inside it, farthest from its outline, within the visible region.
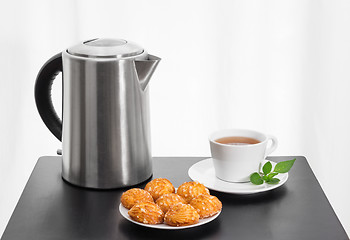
(124, 212)
(204, 173)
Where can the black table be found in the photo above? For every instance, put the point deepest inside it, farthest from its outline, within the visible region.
(50, 208)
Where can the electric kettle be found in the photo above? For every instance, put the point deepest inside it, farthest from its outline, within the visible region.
(105, 127)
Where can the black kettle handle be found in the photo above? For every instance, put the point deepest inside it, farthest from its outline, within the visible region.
(43, 99)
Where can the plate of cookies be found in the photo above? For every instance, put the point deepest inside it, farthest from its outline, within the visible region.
(161, 205)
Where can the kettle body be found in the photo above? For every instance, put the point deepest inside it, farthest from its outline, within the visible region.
(105, 127)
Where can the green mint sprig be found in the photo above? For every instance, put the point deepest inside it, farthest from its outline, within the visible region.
(267, 176)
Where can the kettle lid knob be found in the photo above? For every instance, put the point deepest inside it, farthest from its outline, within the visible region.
(106, 48)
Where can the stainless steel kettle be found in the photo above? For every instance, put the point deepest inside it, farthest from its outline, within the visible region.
(105, 128)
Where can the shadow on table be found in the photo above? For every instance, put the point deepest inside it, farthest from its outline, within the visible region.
(270, 197)
(133, 231)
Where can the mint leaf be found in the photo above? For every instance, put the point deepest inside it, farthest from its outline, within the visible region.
(273, 181)
(271, 175)
(285, 166)
(267, 168)
(255, 178)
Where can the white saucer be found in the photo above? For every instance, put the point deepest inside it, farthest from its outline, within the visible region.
(124, 212)
(204, 173)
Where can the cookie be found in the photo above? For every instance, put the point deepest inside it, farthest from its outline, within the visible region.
(189, 190)
(181, 215)
(206, 205)
(158, 187)
(146, 212)
(169, 199)
(134, 196)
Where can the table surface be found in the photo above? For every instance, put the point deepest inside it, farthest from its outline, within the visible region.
(50, 208)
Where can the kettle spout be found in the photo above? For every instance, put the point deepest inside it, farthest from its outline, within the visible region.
(145, 69)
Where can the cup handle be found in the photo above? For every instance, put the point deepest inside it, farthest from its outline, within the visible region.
(273, 146)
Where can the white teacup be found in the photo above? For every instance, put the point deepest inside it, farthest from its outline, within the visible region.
(235, 162)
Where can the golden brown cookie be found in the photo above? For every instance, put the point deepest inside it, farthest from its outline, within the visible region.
(181, 215)
(146, 212)
(134, 196)
(206, 205)
(158, 187)
(167, 200)
(189, 190)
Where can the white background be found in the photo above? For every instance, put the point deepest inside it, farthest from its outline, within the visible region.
(281, 67)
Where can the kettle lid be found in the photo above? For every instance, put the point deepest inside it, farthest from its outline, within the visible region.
(106, 48)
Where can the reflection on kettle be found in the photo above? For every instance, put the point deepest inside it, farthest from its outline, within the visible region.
(105, 128)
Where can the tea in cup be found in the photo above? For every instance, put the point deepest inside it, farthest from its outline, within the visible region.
(237, 153)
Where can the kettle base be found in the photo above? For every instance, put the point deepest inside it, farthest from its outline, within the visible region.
(107, 188)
